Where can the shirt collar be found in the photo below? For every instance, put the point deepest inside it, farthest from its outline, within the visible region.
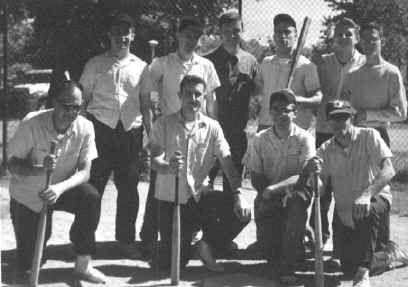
(193, 60)
(122, 62)
(291, 132)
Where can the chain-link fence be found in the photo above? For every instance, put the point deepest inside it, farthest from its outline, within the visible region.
(68, 33)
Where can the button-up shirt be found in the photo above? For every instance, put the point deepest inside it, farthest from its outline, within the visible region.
(32, 142)
(379, 91)
(113, 87)
(167, 72)
(275, 73)
(332, 74)
(199, 146)
(280, 158)
(353, 169)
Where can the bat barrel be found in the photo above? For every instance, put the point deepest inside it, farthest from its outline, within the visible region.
(319, 270)
(176, 238)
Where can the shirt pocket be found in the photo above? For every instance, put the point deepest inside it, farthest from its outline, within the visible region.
(38, 153)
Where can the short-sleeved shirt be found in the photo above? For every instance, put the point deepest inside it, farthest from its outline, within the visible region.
(199, 146)
(114, 87)
(233, 97)
(32, 141)
(332, 74)
(279, 158)
(275, 73)
(353, 169)
(379, 90)
(167, 72)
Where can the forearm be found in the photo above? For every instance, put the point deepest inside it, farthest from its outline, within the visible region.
(234, 178)
(146, 112)
(310, 102)
(386, 173)
(281, 186)
(76, 179)
(160, 165)
(24, 167)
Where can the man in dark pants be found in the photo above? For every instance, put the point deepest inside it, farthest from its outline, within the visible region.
(358, 163)
(187, 142)
(69, 191)
(114, 86)
(237, 70)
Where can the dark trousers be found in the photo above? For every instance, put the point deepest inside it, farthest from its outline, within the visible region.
(384, 134)
(119, 152)
(148, 233)
(213, 214)
(326, 199)
(280, 230)
(82, 201)
(364, 245)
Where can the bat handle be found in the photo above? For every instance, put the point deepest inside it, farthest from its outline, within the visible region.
(319, 270)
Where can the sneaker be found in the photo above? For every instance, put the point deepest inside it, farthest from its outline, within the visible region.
(85, 271)
(130, 250)
(332, 265)
(361, 277)
(396, 256)
(255, 250)
(207, 258)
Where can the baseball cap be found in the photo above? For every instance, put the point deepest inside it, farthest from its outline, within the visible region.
(339, 107)
(191, 22)
(286, 18)
(347, 22)
(121, 17)
(285, 94)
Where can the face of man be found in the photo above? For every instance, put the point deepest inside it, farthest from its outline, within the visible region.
(345, 37)
(231, 33)
(187, 39)
(282, 113)
(67, 107)
(121, 35)
(285, 35)
(190, 96)
(340, 124)
(370, 42)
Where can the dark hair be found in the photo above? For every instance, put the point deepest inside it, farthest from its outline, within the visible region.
(284, 18)
(373, 25)
(347, 22)
(68, 85)
(229, 17)
(118, 17)
(190, 21)
(282, 95)
(192, 79)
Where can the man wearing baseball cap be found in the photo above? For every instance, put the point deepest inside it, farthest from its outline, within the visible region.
(276, 158)
(118, 105)
(275, 72)
(358, 163)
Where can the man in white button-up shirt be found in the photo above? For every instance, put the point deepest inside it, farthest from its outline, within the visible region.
(114, 87)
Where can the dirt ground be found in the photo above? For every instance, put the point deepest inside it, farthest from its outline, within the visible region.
(123, 272)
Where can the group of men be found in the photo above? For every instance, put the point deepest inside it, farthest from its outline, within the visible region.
(204, 104)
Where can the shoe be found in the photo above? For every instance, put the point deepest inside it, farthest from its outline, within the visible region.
(85, 271)
(396, 256)
(361, 277)
(130, 250)
(332, 265)
(207, 258)
(255, 250)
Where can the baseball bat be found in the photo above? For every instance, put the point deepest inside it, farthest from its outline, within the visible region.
(175, 237)
(299, 47)
(319, 272)
(153, 44)
(42, 223)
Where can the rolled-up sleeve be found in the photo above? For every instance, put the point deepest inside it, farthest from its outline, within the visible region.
(88, 149)
(22, 141)
(221, 146)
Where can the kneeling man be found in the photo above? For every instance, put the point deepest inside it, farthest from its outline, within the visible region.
(69, 190)
(187, 143)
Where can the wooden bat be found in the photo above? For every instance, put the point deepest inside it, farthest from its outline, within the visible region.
(42, 223)
(319, 272)
(299, 47)
(176, 236)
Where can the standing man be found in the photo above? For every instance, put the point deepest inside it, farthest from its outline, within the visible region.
(237, 70)
(376, 90)
(187, 142)
(69, 190)
(166, 74)
(114, 86)
(332, 69)
(358, 163)
(276, 159)
(275, 72)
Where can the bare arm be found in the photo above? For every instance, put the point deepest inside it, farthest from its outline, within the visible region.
(145, 111)
(310, 102)
(231, 172)
(81, 176)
